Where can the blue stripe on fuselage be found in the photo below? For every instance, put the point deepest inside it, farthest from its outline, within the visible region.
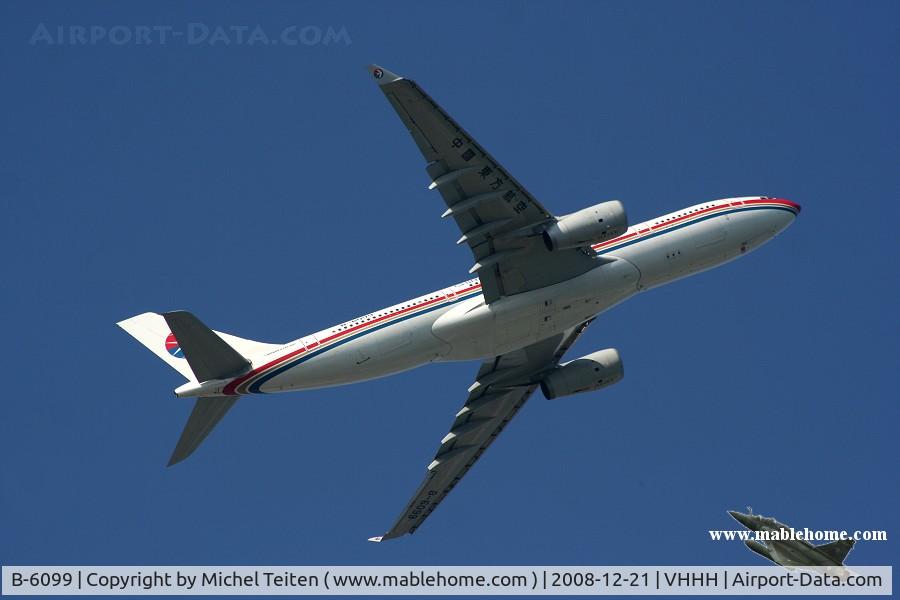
(254, 387)
(646, 237)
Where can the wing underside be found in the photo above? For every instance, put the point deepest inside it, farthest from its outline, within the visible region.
(502, 386)
(499, 219)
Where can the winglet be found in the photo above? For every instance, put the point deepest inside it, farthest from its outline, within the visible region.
(377, 538)
(382, 75)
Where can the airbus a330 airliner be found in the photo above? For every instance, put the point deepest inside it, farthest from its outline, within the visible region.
(540, 281)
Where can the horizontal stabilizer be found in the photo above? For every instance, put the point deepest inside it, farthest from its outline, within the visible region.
(152, 330)
(208, 355)
(206, 414)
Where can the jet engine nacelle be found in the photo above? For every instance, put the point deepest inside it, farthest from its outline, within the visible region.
(591, 372)
(589, 225)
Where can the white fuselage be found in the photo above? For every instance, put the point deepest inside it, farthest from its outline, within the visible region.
(455, 323)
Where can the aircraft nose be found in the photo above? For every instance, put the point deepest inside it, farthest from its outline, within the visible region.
(793, 205)
(741, 518)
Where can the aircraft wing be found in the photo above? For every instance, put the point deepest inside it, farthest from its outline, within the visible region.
(501, 388)
(837, 551)
(499, 220)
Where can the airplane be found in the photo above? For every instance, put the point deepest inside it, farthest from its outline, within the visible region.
(539, 281)
(791, 553)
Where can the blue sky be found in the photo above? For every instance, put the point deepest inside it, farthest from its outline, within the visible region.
(271, 190)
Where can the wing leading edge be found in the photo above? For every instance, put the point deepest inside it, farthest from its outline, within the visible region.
(502, 386)
(499, 219)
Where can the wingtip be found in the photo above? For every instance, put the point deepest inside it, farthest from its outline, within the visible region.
(178, 455)
(376, 539)
(383, 76)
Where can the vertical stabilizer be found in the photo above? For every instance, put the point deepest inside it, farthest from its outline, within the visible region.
(151, 330)
(209, 356)
(183, 342)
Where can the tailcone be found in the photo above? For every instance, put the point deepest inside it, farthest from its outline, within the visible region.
(191, 389)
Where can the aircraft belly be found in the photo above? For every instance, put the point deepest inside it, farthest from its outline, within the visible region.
(475, 330)
(386, 351)
(468, 328)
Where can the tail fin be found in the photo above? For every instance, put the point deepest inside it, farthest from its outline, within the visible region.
(209, 356)
(154, 332)
(200, 354)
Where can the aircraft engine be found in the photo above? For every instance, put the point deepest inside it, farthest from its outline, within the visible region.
(591, 372)
(589, 225)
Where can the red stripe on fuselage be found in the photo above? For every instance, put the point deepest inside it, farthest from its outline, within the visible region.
(781, 201)
(232, 386)
(692, 215)
(621, 238)
(702, 211)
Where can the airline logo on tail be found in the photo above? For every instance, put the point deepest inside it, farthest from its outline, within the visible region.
(172, 346)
